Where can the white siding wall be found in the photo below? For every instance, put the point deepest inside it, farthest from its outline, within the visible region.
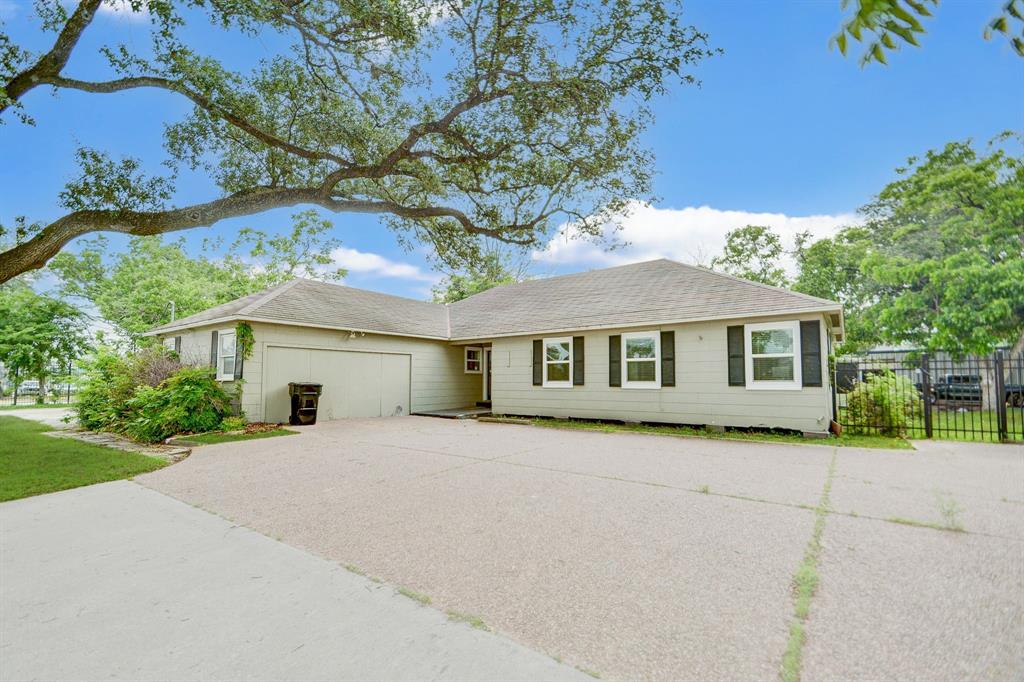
(438, 381)
(195, 350)
(701, 395)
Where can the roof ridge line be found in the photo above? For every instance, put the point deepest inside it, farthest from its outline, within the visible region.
(269, 296)
(770, 287)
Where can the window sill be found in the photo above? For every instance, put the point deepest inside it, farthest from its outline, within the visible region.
(643, 385)
(772, 386)
(557, 384)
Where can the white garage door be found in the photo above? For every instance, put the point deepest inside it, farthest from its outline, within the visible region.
(355, 384)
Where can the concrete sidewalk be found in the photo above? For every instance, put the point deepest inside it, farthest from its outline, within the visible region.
(119, 581)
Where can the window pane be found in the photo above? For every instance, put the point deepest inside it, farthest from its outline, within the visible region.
(472, 354)
(227, 366)
(640, 347)
(771, 341)
(473, 365)
(227, 344)
(640, 370)
(558, 371)
(558, 351)
(773, 369)
(169, 343)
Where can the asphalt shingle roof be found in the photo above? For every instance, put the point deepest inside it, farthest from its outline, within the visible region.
(640, 293)
(658, 291)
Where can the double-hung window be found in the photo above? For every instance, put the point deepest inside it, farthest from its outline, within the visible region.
(773, 353)
(558, 362)
(226, 355)
(641, 359)
(474, 360)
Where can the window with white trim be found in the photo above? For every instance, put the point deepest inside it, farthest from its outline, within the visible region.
(558, 362)
(169, 343)
(641, 360)
(773, 355)
(226, 355)
(474, 360)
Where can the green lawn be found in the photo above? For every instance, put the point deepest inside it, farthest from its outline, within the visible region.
(32, 406)
(214, 438)
(846, 440)
(952, 425)
(32, 463)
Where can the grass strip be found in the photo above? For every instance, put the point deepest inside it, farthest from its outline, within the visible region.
(415, 596)
(805, 584)
(34, 406)
(32, 463)
(845, 440)
(214, 438)
(473, 621)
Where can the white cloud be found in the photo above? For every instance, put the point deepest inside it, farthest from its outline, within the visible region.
(690, 235)
(376, 265)
(122, 9)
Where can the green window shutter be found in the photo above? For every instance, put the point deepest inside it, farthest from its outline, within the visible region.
(238, 362)
(668, 358)
(177, 345)
(737, 371)
(810, 352)
(577, 361)
(615, 360)
(213, 351)
(538, 362)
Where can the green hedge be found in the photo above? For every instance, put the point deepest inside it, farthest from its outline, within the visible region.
(149, 396)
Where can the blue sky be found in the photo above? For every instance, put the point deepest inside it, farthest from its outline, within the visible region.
(783, 131)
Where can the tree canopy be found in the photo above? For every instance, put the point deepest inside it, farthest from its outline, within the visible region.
(938, 262)
(39, 335)
(536, 119)
(883, 25)
(133, 289)
(753, 253)
(493, 269)
(947, 249)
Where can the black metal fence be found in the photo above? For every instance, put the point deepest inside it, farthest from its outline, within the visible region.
(922, 395)
(57, 389)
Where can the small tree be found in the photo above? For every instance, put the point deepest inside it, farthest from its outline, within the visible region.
(39, 335)
(753, 253)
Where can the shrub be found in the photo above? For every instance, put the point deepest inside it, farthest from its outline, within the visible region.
(104, 391)
(154, 365)
(885, 403)
(190, 401)
(149, 396)
(233, 423)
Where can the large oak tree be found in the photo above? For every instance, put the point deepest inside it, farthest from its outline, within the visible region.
(534, 119)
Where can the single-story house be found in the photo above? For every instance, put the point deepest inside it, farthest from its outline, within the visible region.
(658, 341)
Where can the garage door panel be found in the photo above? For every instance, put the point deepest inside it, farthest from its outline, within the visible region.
(394, 399)
(356, 384)
(283, 365)
(362, 382)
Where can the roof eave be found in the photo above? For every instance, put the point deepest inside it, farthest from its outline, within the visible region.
(288, 323)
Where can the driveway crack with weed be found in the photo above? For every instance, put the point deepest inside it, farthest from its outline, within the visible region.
(805, 583)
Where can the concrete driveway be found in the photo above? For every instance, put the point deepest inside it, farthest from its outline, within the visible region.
(117, 581)
(646, 557)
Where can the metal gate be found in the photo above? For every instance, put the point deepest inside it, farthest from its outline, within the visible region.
(931, 395)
